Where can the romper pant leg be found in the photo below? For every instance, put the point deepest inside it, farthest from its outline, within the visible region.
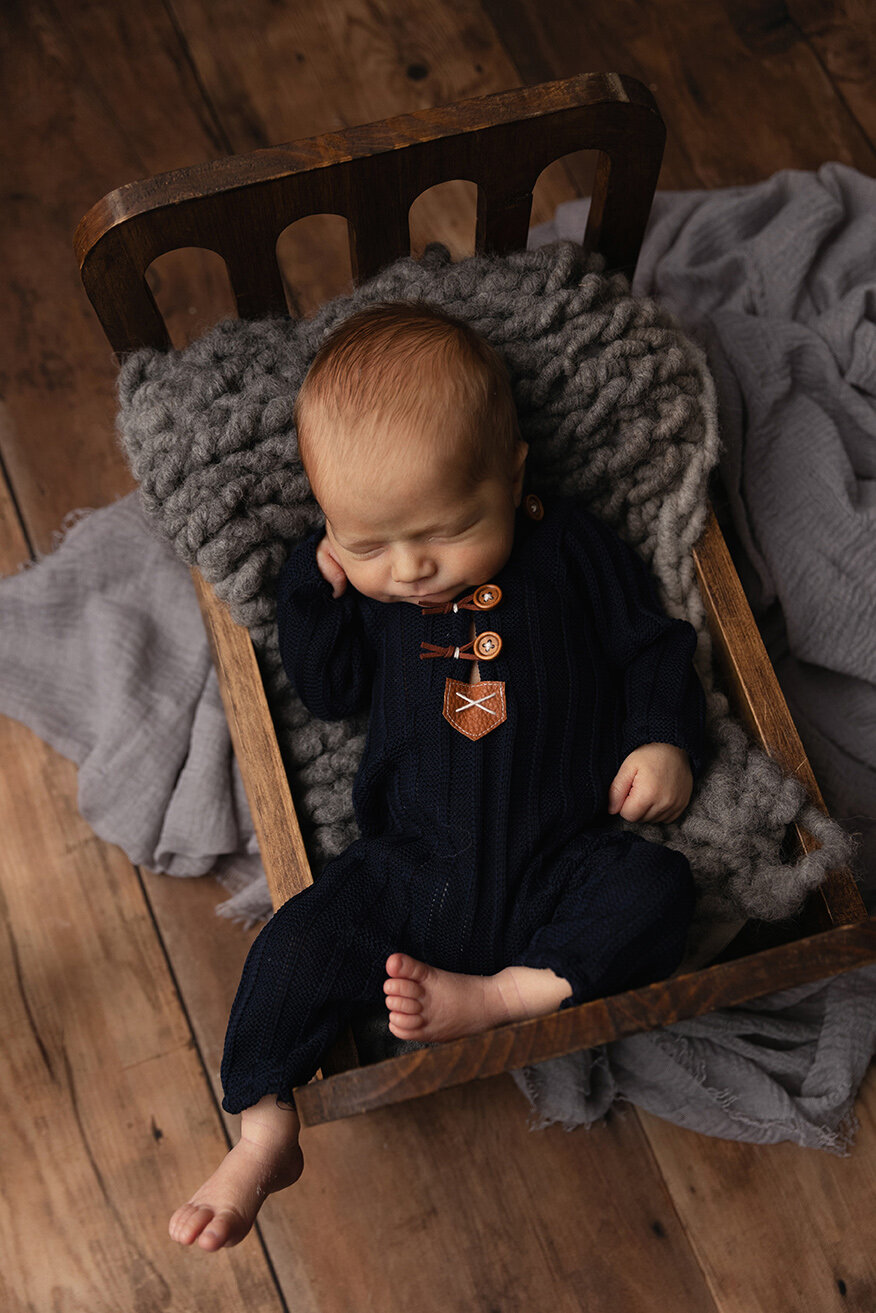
(622, 921)
(320, 958)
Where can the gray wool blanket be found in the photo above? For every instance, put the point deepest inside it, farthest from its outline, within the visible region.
(620, 409)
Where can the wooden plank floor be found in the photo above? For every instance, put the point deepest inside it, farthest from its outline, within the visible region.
(117, 983)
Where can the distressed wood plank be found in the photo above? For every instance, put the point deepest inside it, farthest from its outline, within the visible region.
(256, 747)
(842, 35)
(81, 126)
(102, 1095)
(108, 1118)
(777, 1227)
(712, 67)
(465, 1208)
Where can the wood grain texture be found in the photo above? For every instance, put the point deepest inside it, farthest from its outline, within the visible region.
(842, 36)
(255, 748)
(463, 1207)
(108, 1119)
(101, 1088)
(240, 206)
(711, 68)
(60, 152)
(789, 1218)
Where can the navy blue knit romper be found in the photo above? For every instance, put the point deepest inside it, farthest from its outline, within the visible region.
(478, 852)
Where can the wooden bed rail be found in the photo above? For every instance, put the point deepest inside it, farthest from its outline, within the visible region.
(758, 700)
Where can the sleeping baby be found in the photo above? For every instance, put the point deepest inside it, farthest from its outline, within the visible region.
(526, 692)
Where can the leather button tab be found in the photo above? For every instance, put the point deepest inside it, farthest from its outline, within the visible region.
(487, 596)
(533, 507)
(487, 646)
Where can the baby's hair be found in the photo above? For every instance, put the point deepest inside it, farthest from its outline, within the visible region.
(409, 363)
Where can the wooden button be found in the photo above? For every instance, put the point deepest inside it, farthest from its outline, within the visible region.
(487, 646)
(533, 507)
(487, 596)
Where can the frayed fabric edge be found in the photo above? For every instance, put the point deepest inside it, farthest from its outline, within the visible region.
(837, 1141)
(249, 901)
(59, 537)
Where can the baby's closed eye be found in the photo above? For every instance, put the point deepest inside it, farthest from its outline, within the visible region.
(447, 535)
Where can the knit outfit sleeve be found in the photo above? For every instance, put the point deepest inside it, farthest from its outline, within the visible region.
(323, 645)
(663, 697)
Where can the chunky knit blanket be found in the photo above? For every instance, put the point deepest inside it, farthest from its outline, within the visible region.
(617, 406)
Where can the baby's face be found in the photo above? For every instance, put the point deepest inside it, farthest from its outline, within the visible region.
(416, 535)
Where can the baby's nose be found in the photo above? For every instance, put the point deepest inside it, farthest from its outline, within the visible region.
(411, 565)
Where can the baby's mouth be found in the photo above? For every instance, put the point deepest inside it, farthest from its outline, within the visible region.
(440, 596)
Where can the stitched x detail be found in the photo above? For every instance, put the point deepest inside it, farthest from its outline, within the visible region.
(475, 702)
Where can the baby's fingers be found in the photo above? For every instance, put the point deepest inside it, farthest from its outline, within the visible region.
(620, 792)
(636, 809)
(657, 813)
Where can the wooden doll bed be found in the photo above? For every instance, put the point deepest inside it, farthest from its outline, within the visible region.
(238, 207)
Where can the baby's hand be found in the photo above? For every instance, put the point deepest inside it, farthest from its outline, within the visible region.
(654, 783)
(330, 569)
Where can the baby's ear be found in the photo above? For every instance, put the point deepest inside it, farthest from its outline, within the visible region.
(519, 468)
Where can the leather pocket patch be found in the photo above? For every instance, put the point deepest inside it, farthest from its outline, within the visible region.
(475, 709)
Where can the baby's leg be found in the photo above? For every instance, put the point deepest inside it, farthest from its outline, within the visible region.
(318, 958)
(313, 965)
(621, 923)
(266, 1158)
(623, 919)
(428, 1004)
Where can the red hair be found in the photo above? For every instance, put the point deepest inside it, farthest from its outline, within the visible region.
(408, 364)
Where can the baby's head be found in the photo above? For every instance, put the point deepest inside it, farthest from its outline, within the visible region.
(408, 433)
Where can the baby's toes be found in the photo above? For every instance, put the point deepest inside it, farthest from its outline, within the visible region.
(403, 1025)
(226, 1228)
(405, 1006)
(402, 988)
(400, 965)
(188, 1222)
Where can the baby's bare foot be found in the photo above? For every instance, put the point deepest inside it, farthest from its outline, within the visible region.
(265, 1159)
(428, 1004)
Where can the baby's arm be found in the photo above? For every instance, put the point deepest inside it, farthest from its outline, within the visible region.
(663, 731)
(323, 644)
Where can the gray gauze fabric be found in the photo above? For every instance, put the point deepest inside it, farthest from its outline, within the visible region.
(103, 655)
(778, 282)
(616, 404)
(783, 1067)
